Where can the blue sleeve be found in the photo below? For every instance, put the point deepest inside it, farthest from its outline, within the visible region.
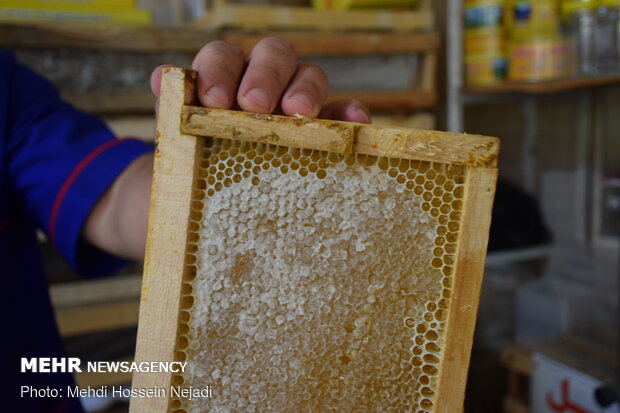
(60, 162)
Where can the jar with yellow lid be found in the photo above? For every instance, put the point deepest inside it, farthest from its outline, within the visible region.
(485, 69)
(531, 12)
(607, 36)
(484, 41)
(485, 58)
(579, 17)
(483, 13)
(538, 53)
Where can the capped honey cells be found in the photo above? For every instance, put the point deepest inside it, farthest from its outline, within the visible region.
(316, 282)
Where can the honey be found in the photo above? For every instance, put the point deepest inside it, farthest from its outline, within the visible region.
(317, 281)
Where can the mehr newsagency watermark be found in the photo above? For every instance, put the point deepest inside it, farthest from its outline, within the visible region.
(74, 365)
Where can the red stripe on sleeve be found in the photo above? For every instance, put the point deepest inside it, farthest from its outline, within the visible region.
(4, 223)
(62, 408)
(69, 181)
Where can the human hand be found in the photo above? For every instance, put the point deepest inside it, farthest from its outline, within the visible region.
(268, 80)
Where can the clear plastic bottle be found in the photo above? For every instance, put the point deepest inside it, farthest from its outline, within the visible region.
(579, 22)
(607, 36)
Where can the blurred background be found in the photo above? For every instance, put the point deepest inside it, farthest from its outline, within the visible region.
(542, 75)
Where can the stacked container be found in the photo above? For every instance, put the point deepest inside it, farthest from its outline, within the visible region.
(485, 55)
(537, 40)
(536, 48)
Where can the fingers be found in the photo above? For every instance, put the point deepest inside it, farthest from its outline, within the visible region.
(271, 66)
(306, 92)
(268, 80)
(347, 110)
(219, 66)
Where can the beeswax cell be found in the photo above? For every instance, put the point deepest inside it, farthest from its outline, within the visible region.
(319, 281)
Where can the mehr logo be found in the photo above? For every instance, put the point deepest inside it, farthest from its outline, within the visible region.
(51, 365)
(72, 365)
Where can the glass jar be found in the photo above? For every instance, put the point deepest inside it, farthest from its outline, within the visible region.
(579, 24)
(607, 33)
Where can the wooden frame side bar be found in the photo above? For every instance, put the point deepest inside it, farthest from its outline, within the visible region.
(341, 137)
(466, 284)
(164, 266)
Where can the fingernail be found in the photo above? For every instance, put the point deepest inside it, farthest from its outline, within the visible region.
(216, 97)
(303, 98)
(259, 97)
(364, 115)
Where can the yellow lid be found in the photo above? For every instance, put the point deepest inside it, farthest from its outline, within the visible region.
(609, 3)
(573, 6)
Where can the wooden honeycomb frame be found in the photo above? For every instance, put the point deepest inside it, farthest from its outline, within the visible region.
(170, 264)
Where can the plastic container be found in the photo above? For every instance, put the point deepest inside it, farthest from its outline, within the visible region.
(483, 13)
(530, 13)
(484, 41)
(539, 53)
(579, 18)
(607, 36)
(481, 70)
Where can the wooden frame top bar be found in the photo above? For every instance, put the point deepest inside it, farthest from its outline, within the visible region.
(341, 137)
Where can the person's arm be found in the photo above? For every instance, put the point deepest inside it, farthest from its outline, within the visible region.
(268, 80)
(117, 224)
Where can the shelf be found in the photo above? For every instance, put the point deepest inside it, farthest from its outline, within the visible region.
(549, 86)
(144, 102)
(330, 44)
(190, 39)
(111, 103)
(141, 39)
(261, 17)
(96, 305)
(411, 100)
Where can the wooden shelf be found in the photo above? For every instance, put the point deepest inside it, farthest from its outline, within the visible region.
(225, 15)
(190, 40)
(112, 103)
(549, 86)
(412, 100)
(96, 305)
(141, 39)
(331, 44)
(144, 102)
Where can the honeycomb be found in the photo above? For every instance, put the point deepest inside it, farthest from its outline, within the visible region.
(315, 281)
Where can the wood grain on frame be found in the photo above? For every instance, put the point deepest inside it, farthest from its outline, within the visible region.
(175, 171)
(466, 284)
(342, 137)
(164, 266)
